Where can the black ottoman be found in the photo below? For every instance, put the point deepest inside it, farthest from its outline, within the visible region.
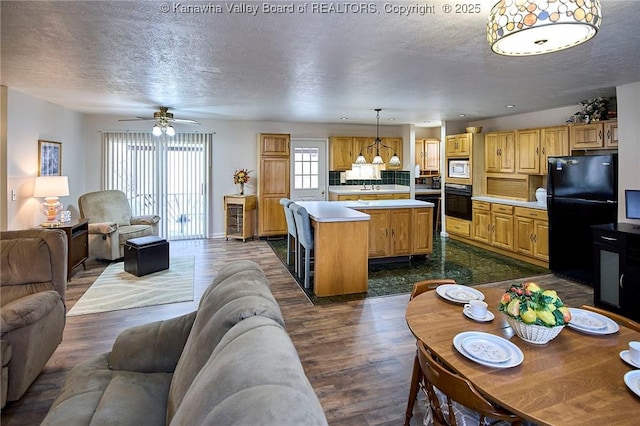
(145, 255)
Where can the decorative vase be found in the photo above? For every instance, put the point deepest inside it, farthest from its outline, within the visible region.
(242, 189)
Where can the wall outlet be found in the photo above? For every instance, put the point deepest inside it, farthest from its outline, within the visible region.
(343, 177)
(14, 196)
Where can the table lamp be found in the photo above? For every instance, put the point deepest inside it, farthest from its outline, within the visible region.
(51, 187)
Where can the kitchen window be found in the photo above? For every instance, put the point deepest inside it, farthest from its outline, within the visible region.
(306, 168)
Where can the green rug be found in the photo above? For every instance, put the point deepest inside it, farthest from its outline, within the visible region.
(466, 264)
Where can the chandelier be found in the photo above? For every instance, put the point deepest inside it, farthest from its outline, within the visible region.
(377, 144)
(535, 27)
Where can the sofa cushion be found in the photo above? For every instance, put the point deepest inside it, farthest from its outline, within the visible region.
(94, 394)
(244, 384)
(238, 295)
(28, 310)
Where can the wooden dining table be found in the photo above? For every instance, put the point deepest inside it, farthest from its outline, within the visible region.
(574, 379)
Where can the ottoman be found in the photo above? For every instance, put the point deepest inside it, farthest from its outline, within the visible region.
(145, 255)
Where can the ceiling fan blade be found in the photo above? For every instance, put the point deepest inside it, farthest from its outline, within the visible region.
(183, 121)
(138, 119)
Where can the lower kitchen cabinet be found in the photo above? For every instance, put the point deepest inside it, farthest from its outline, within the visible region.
(400, 232)
(532, 233)
(617, 268)
(458, 226)
(493, 224)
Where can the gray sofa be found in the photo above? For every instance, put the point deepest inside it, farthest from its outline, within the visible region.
(231, 362)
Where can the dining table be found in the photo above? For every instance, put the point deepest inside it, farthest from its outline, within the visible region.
(576, 378)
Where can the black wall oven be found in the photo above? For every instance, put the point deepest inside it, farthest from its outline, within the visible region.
(457, 201)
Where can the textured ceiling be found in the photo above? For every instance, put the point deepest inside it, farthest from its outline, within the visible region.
(128, 58)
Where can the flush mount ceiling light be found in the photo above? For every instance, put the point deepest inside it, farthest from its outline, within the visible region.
(535, 27)
(377, 144)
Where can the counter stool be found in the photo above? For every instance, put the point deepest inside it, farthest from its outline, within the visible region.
(305, 240)
(292, 236)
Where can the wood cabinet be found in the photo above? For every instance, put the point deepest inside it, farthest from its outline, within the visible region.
(458, 145)
(239, 216)
(77, 232)
(459, 227)
(499, 152)
(343, 150)
(554, 142)
(273, 183)
(531, 233)
(400, 232)
(428, 156)
(528, 151)
(493, 224)
(596, 135)
(481, 221)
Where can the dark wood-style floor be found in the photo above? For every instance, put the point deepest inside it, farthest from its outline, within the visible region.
(358, 355)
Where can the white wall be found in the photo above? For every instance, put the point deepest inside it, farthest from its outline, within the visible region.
(234, 146)
(629, 136)
(28, 120)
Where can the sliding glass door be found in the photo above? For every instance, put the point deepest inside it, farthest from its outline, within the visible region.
(163, 175)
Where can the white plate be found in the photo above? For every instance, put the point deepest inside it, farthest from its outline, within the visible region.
(458, 293)
(627, 358)
(632, 380)
(488, 317)
(581, 320)
(487, 349)
(516, 356)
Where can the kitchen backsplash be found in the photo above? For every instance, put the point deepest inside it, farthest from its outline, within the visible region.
(389, 177)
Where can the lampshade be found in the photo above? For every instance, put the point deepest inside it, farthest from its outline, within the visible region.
(157, 131)
(395, 160)
(360, 159)
(535, 27)
(170, 131)
(51, 186)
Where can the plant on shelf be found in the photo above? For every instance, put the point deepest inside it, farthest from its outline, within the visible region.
(241, 176)
(594, 109)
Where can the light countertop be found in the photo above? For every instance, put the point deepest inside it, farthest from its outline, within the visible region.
(426, 191)
(517, 203)
(343, 211)
(367, 189)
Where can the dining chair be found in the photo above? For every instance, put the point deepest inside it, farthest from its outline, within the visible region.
(292, 236)
(454, 399)
(305, 241)
(629, 323)
(416, 375)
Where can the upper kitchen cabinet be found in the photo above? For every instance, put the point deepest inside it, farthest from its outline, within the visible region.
(459, 145)
(428, 156)
(554, 142)
(274, 145)
(500, 152)
(343, 150)
(273, 183)
(528, 151)
(596, 135)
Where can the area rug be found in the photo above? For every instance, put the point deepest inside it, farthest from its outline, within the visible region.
(466, 264)
(116, 289)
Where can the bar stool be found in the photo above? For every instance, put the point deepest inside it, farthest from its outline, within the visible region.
(305, 240)
(292, 236)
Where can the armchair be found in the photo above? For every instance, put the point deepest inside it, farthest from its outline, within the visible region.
(111, 223)
(33, 279)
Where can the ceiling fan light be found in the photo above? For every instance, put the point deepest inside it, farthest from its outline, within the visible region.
(157, 131)
(170, 131)
(533, 27)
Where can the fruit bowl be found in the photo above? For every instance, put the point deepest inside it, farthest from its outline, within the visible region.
(531, 333)
(536, 315)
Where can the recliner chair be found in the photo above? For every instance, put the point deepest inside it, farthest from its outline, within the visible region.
(33, 279)
(111, 223)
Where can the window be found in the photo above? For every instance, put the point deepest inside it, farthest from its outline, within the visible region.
(305, 174)
(166, 176)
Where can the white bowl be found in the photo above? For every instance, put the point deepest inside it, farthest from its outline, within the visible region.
(531, 333)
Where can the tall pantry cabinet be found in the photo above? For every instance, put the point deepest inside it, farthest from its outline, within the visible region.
(273, 182)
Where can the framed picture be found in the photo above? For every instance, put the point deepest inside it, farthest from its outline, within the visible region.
(49, 158)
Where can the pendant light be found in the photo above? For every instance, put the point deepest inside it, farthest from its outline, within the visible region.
(535, 27)
(377, 143)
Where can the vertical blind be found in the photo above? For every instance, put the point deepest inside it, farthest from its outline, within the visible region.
(167, 176)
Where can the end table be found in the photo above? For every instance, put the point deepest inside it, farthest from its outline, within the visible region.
(77, 231)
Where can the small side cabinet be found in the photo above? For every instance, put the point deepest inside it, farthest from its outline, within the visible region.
(617, 268)
(239, 216)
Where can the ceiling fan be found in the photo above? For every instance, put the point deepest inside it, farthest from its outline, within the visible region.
(163, 119)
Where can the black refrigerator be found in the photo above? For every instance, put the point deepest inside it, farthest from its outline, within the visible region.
(581, 191)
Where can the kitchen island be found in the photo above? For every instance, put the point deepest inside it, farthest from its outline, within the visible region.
(348, 233)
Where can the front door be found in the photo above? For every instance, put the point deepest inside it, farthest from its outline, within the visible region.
(309, 174)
